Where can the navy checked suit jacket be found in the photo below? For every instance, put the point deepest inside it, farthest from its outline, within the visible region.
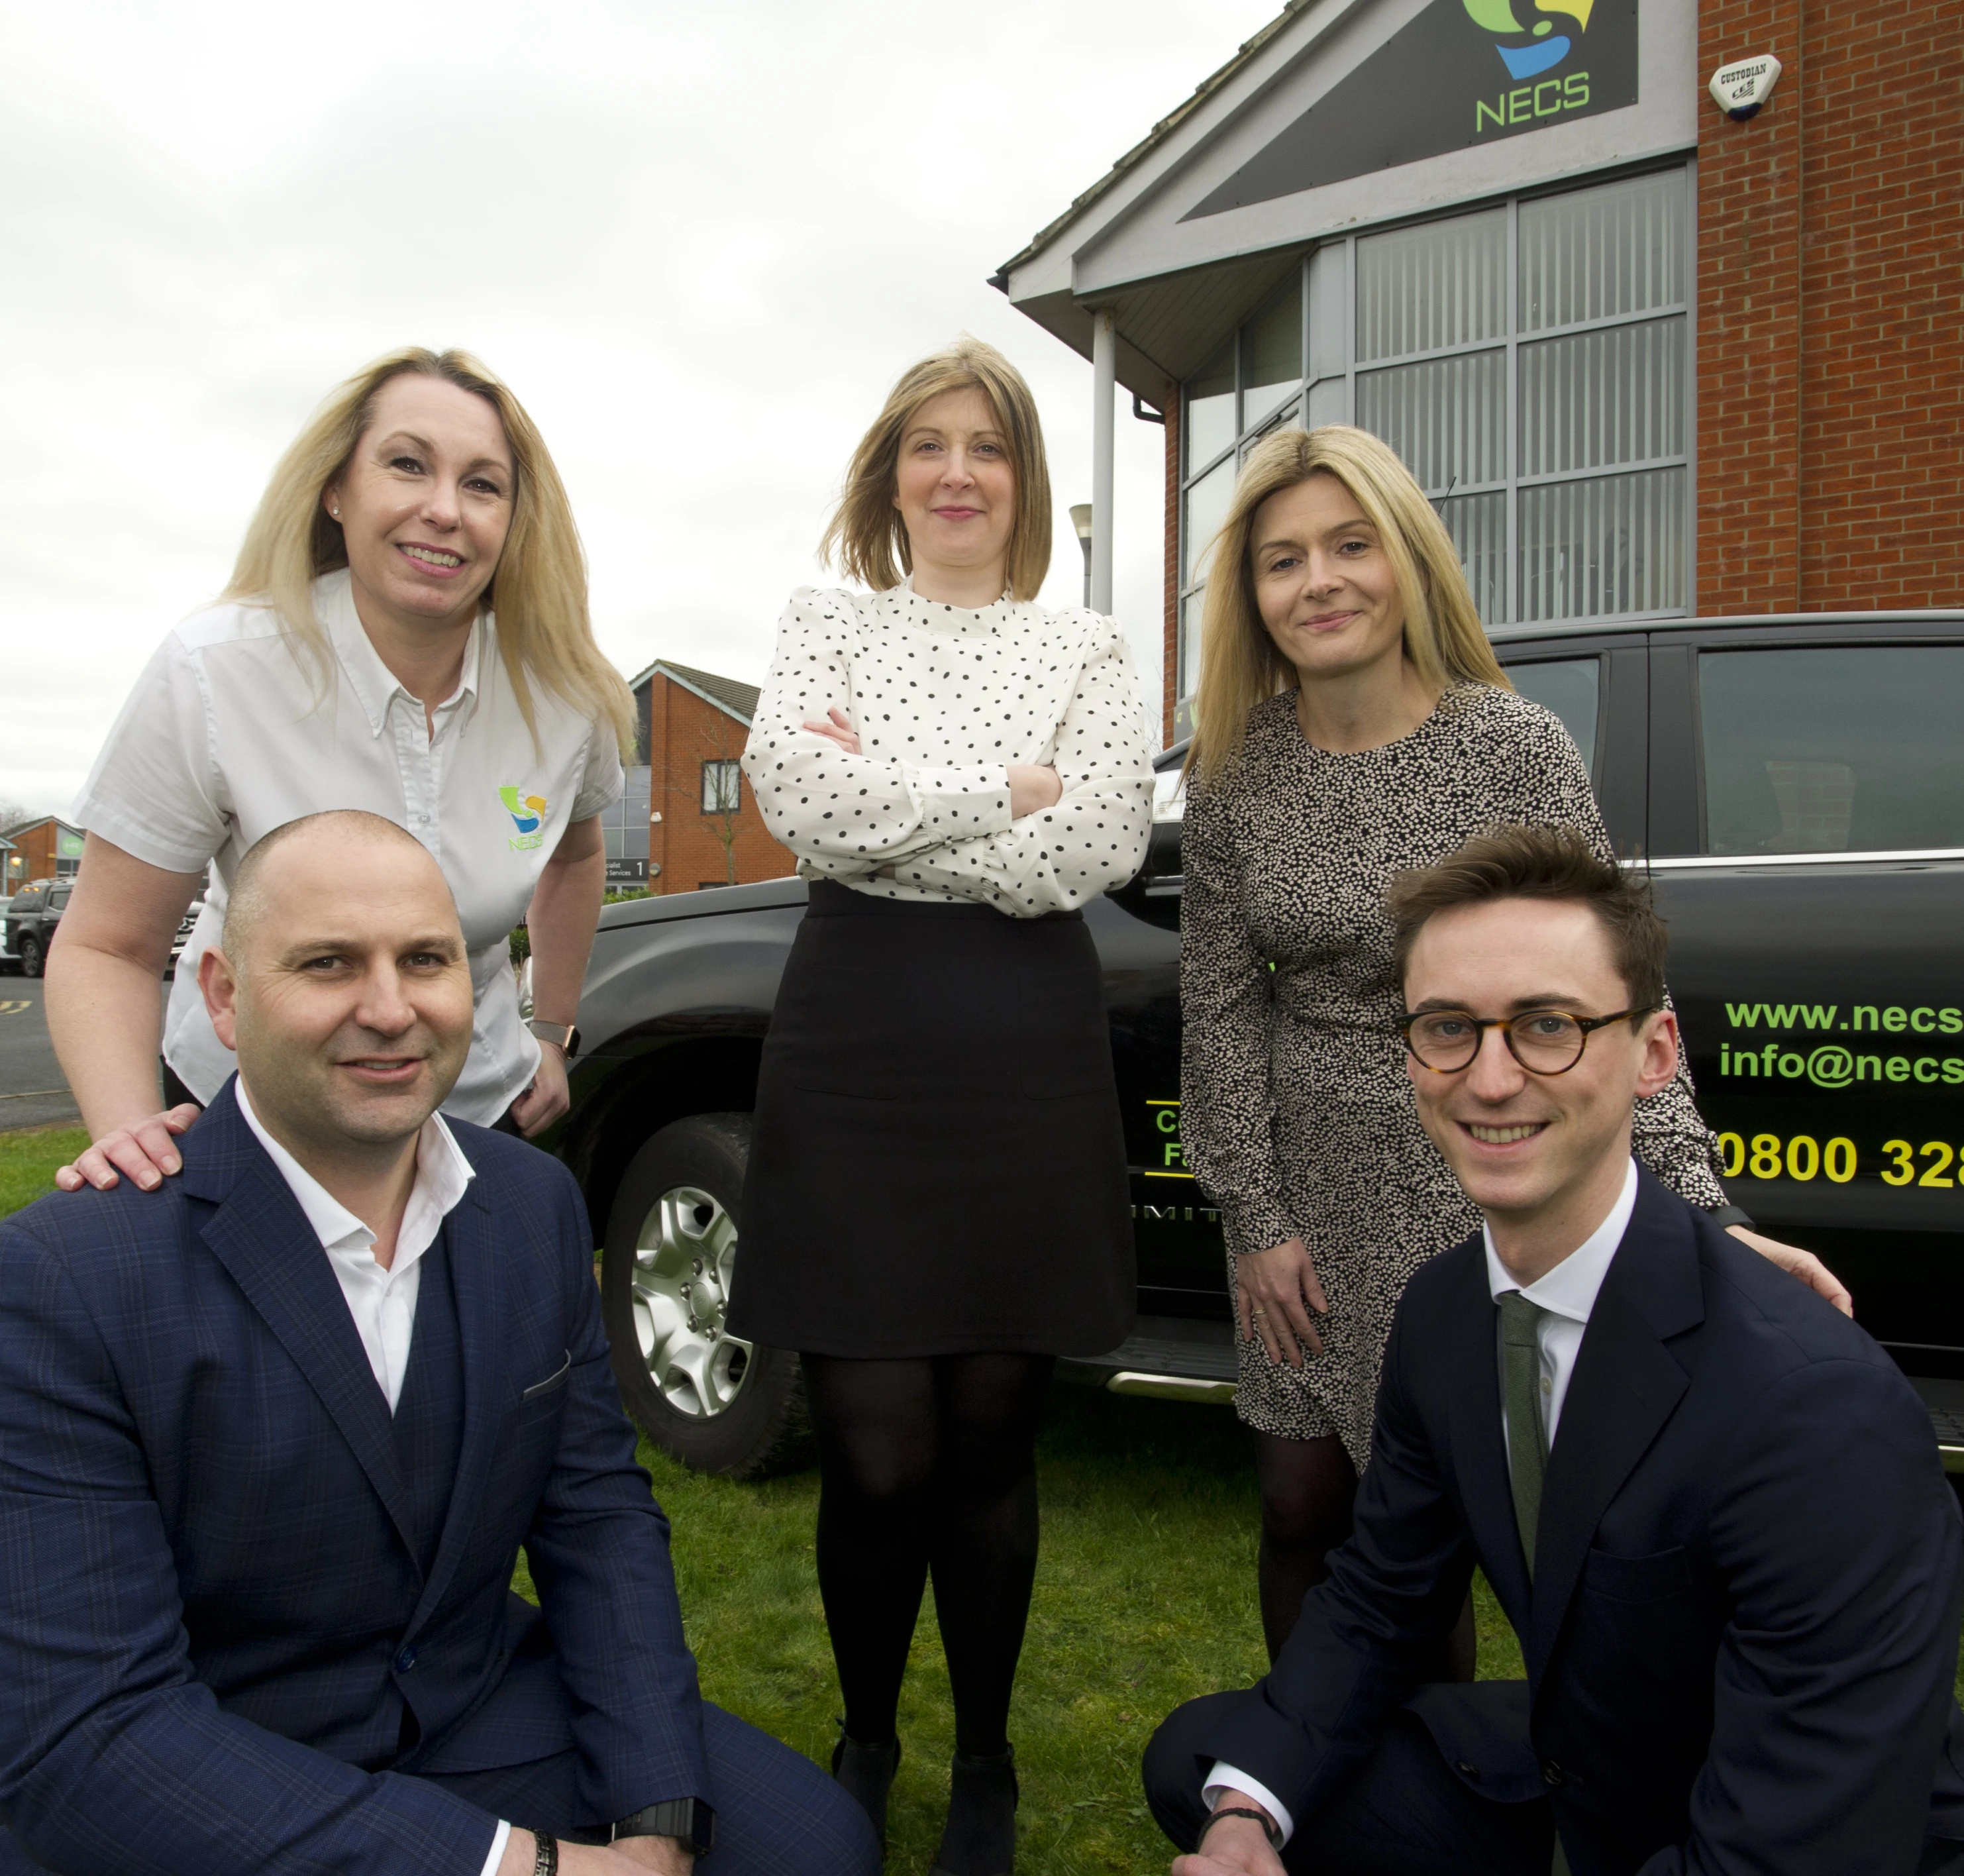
(209, 1585)
(1741, 1628)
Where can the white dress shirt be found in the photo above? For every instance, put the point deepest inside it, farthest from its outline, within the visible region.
(228, 735)
(382, 1302)
(1568, 1293)
(945, 698)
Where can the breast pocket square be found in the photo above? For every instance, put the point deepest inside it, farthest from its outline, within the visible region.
(555, 1379)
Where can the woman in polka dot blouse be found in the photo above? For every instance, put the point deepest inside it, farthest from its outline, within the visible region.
(959, 771)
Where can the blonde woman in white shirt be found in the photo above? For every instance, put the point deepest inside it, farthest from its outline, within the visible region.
(355, 660)
(959, 772)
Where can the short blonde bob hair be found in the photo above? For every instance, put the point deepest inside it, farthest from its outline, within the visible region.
(1239, 664)
(545, 636)
(866, 535)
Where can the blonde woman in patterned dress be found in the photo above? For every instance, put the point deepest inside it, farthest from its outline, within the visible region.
(1352, 722)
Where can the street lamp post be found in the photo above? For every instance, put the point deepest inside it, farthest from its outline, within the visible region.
(1080, 519)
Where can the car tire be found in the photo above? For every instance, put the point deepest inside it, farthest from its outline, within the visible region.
(30, 949)
(716, 1403)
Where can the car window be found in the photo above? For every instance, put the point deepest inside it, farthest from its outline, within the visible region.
(1571, 687)
(1833, 749)
(61, 897)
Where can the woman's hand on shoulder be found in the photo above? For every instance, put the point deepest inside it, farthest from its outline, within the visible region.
(142, 1150)
(1275, 1292)
(837, 728)
(1033, 787)
(1802, 1265)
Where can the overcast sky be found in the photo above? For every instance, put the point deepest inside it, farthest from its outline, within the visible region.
(699, 241)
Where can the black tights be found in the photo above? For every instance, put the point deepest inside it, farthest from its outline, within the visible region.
(928, 1465)
(1308, 1488)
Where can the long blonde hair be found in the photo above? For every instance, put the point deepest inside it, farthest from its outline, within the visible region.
(1239, 665)
(866, 533)
(545, 635)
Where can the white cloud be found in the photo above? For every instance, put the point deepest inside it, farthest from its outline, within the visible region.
(699, 242)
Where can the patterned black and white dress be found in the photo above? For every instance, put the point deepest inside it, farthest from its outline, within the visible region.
(1296, 1114)
(941, 1017)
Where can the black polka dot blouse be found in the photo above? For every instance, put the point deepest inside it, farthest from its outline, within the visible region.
(944, 698)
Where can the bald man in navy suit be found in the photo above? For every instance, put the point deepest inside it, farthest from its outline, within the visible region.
(272, 1434)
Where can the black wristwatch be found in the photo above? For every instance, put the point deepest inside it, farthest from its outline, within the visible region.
(688, 1819)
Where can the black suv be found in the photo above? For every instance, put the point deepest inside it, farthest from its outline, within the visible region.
(36, 910)
(1796, 784)
(32, 915)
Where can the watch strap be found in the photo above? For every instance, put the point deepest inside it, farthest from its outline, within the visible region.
(1270, 1828)
(559, 1033)
(545, 1855)
(688, 1819)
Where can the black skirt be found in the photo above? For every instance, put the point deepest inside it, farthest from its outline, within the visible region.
(938, 1165)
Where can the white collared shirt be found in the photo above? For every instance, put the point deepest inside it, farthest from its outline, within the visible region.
(382, 1302)
(227, 735)
(1568, 1293)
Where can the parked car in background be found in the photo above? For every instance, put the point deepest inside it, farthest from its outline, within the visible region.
(182, 936)
(7, 960)
(32, 915)
(1796, 786)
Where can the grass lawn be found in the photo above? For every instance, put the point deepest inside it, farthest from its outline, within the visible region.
(1144, 1597)
(28, 1159)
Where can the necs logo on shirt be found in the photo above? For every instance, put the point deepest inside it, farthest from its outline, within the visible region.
(528, 814)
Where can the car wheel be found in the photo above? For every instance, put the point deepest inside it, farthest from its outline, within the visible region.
(717, 1403)
(31, 957)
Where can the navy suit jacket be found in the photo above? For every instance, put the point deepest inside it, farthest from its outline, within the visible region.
(1741, 1630)
(211, 1585)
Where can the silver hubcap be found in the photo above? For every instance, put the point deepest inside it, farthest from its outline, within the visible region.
(683, 1259)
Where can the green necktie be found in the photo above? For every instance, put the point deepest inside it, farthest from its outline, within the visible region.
(1527, 1431)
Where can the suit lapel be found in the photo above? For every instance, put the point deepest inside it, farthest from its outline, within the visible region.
(1479, 1458)
(259, 1233)
(1627, 1383)
(478, 1283)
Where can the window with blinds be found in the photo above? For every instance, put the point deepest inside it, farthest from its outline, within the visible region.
(1531, 364)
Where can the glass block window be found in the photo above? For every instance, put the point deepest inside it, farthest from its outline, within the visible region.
(1531, 363)
(722, 787)
(624, 823)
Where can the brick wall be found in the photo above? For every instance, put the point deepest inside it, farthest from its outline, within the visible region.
(1830, 422)
(683, 733)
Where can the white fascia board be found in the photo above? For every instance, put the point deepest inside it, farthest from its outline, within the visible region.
(1058, 265)
(1152, 240)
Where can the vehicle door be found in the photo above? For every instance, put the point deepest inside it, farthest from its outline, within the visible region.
(1806, 828)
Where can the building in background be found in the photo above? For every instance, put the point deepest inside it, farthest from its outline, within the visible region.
(689, 820)
(44, 848)
(1648, 360)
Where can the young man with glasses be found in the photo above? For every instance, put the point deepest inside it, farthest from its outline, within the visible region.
(1710, 1505)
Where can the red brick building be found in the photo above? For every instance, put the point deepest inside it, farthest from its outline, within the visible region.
(689, 820)
(44, 849)
(1648, 359)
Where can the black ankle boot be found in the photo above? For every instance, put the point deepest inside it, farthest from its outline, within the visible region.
(866, 1772)
(981, 1838)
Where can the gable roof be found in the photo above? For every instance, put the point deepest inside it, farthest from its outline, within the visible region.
(37, 821)
(1150, 142)
(1337, 117)
(733, 699)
